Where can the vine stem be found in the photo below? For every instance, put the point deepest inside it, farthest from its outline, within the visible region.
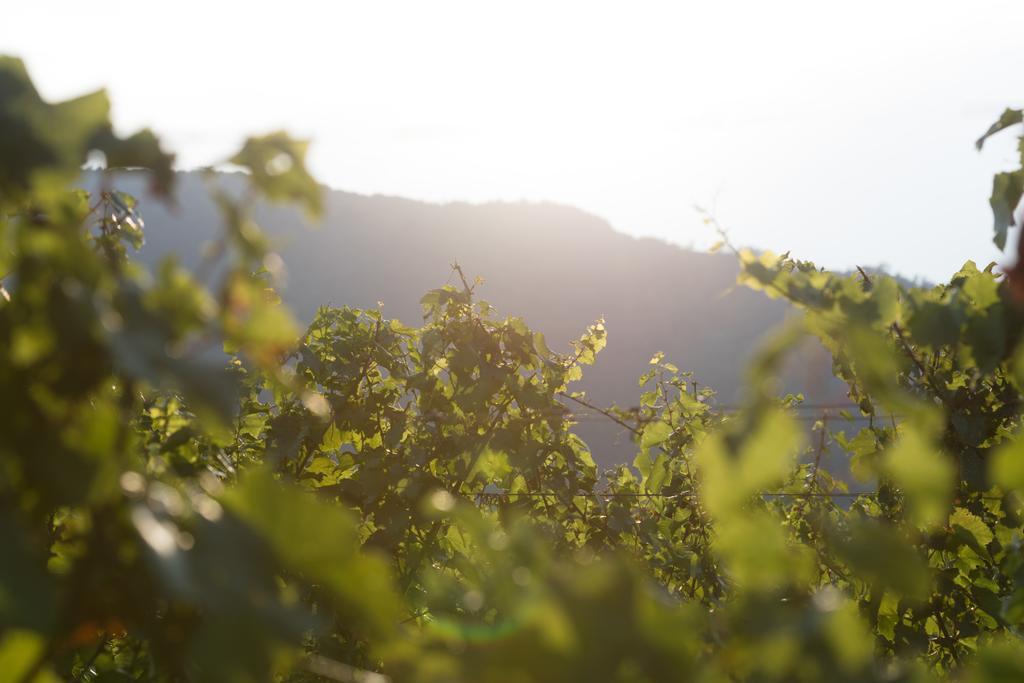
(908, 349)
(698, 510)
(607, 413)
(96, 653)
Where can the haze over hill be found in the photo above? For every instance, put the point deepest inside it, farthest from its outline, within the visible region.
(555, 266)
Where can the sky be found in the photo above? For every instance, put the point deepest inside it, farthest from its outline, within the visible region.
(841, 132)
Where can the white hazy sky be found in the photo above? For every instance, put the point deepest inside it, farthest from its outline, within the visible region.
(840, 131)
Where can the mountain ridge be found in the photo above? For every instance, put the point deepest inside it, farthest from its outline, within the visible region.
(557, 267)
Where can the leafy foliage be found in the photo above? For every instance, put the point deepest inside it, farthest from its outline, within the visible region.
(1007, 187)
(365, 500)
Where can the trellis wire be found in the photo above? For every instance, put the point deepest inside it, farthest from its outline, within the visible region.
(652, 494)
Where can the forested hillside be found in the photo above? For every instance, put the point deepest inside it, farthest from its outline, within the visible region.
(557, 267)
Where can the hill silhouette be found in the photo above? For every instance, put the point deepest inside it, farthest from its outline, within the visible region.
(556, 266)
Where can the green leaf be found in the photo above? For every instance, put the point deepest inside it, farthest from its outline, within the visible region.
(656, 473)
(863, 449)
(256, 322)
(762, 461)
(1007, 189)
(140, 150)
(982, 287)
(1000, 662)
(925, 474)
(319, 541)
(541, 345)
(1007, 465)
(19, 651)
(655, 433)
(277, 163)
(42, 145)
(491, 466)
(977, 530)
(885, 558)
(934, 323)
(1009, 117)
